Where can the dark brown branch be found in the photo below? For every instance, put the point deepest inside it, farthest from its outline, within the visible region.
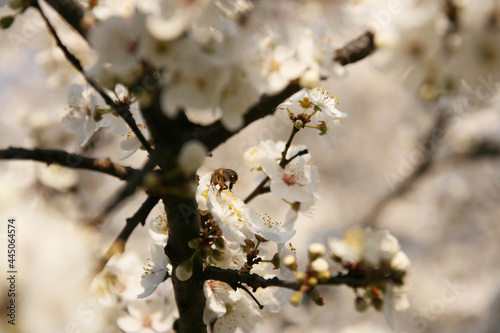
(215, 134)
(140, 216)
(122, 111)
(183, 225)
(69, 160)
(284, 161)
(73, 13)
(234, 277)
(356, 50)
(129, 189)
(260, 189)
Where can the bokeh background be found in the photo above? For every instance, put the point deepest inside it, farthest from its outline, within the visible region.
(447, 222)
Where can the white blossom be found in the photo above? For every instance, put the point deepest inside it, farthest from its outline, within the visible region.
(267, 228)
(146, 317)
(118, 41)
(331, 128)
(84, 117)
(296, 182)
(155, 271)
(229, 212)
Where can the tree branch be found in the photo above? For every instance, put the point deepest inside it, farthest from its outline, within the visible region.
(122, 110)
(258, 190)
(69, 160)
(356, 50)
(140, 216)
(73, 13)
(255, 281)
(129, 189)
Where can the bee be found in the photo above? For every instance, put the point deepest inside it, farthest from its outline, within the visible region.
(221, 177)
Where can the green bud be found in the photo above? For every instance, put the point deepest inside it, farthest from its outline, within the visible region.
(219, 243)
(296, 298)
(218, 255)
(184, 271)
(312, 281)
(193, 244)
(298, 124)
(300, 276)
(361, 304)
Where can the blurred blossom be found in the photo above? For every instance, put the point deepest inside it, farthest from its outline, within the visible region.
(84, 118)
(143, 316)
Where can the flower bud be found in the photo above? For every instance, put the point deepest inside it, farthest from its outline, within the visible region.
(316, 250)
(300, 276)
(361, 304)
(184, 271)
(298, 124)
(219, 243)
(191, 156)
(276, 261)
(316, 298)
(218, 255)
(312, 281)
(296, 298)
(320, 301)
(319, 265)
(310, 79)
(400, 261)
(194, 243)
(290, 262)
(324, 276)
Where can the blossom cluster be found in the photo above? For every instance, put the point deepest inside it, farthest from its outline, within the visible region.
(87, 113)
(442, 48)
(373, 253)
(237, 57)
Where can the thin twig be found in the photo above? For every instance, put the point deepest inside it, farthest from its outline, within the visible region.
(258, 190)
(69, 160)
(261, 189)
(283, 161)
(129, 189)
(140, 216)
(121, 110)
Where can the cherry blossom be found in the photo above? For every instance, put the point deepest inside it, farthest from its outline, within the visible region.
(296, 182)
(156, 271)
(146, 317)
(84, 117)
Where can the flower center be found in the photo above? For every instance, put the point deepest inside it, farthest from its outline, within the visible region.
(289, 178)
(147, 322)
